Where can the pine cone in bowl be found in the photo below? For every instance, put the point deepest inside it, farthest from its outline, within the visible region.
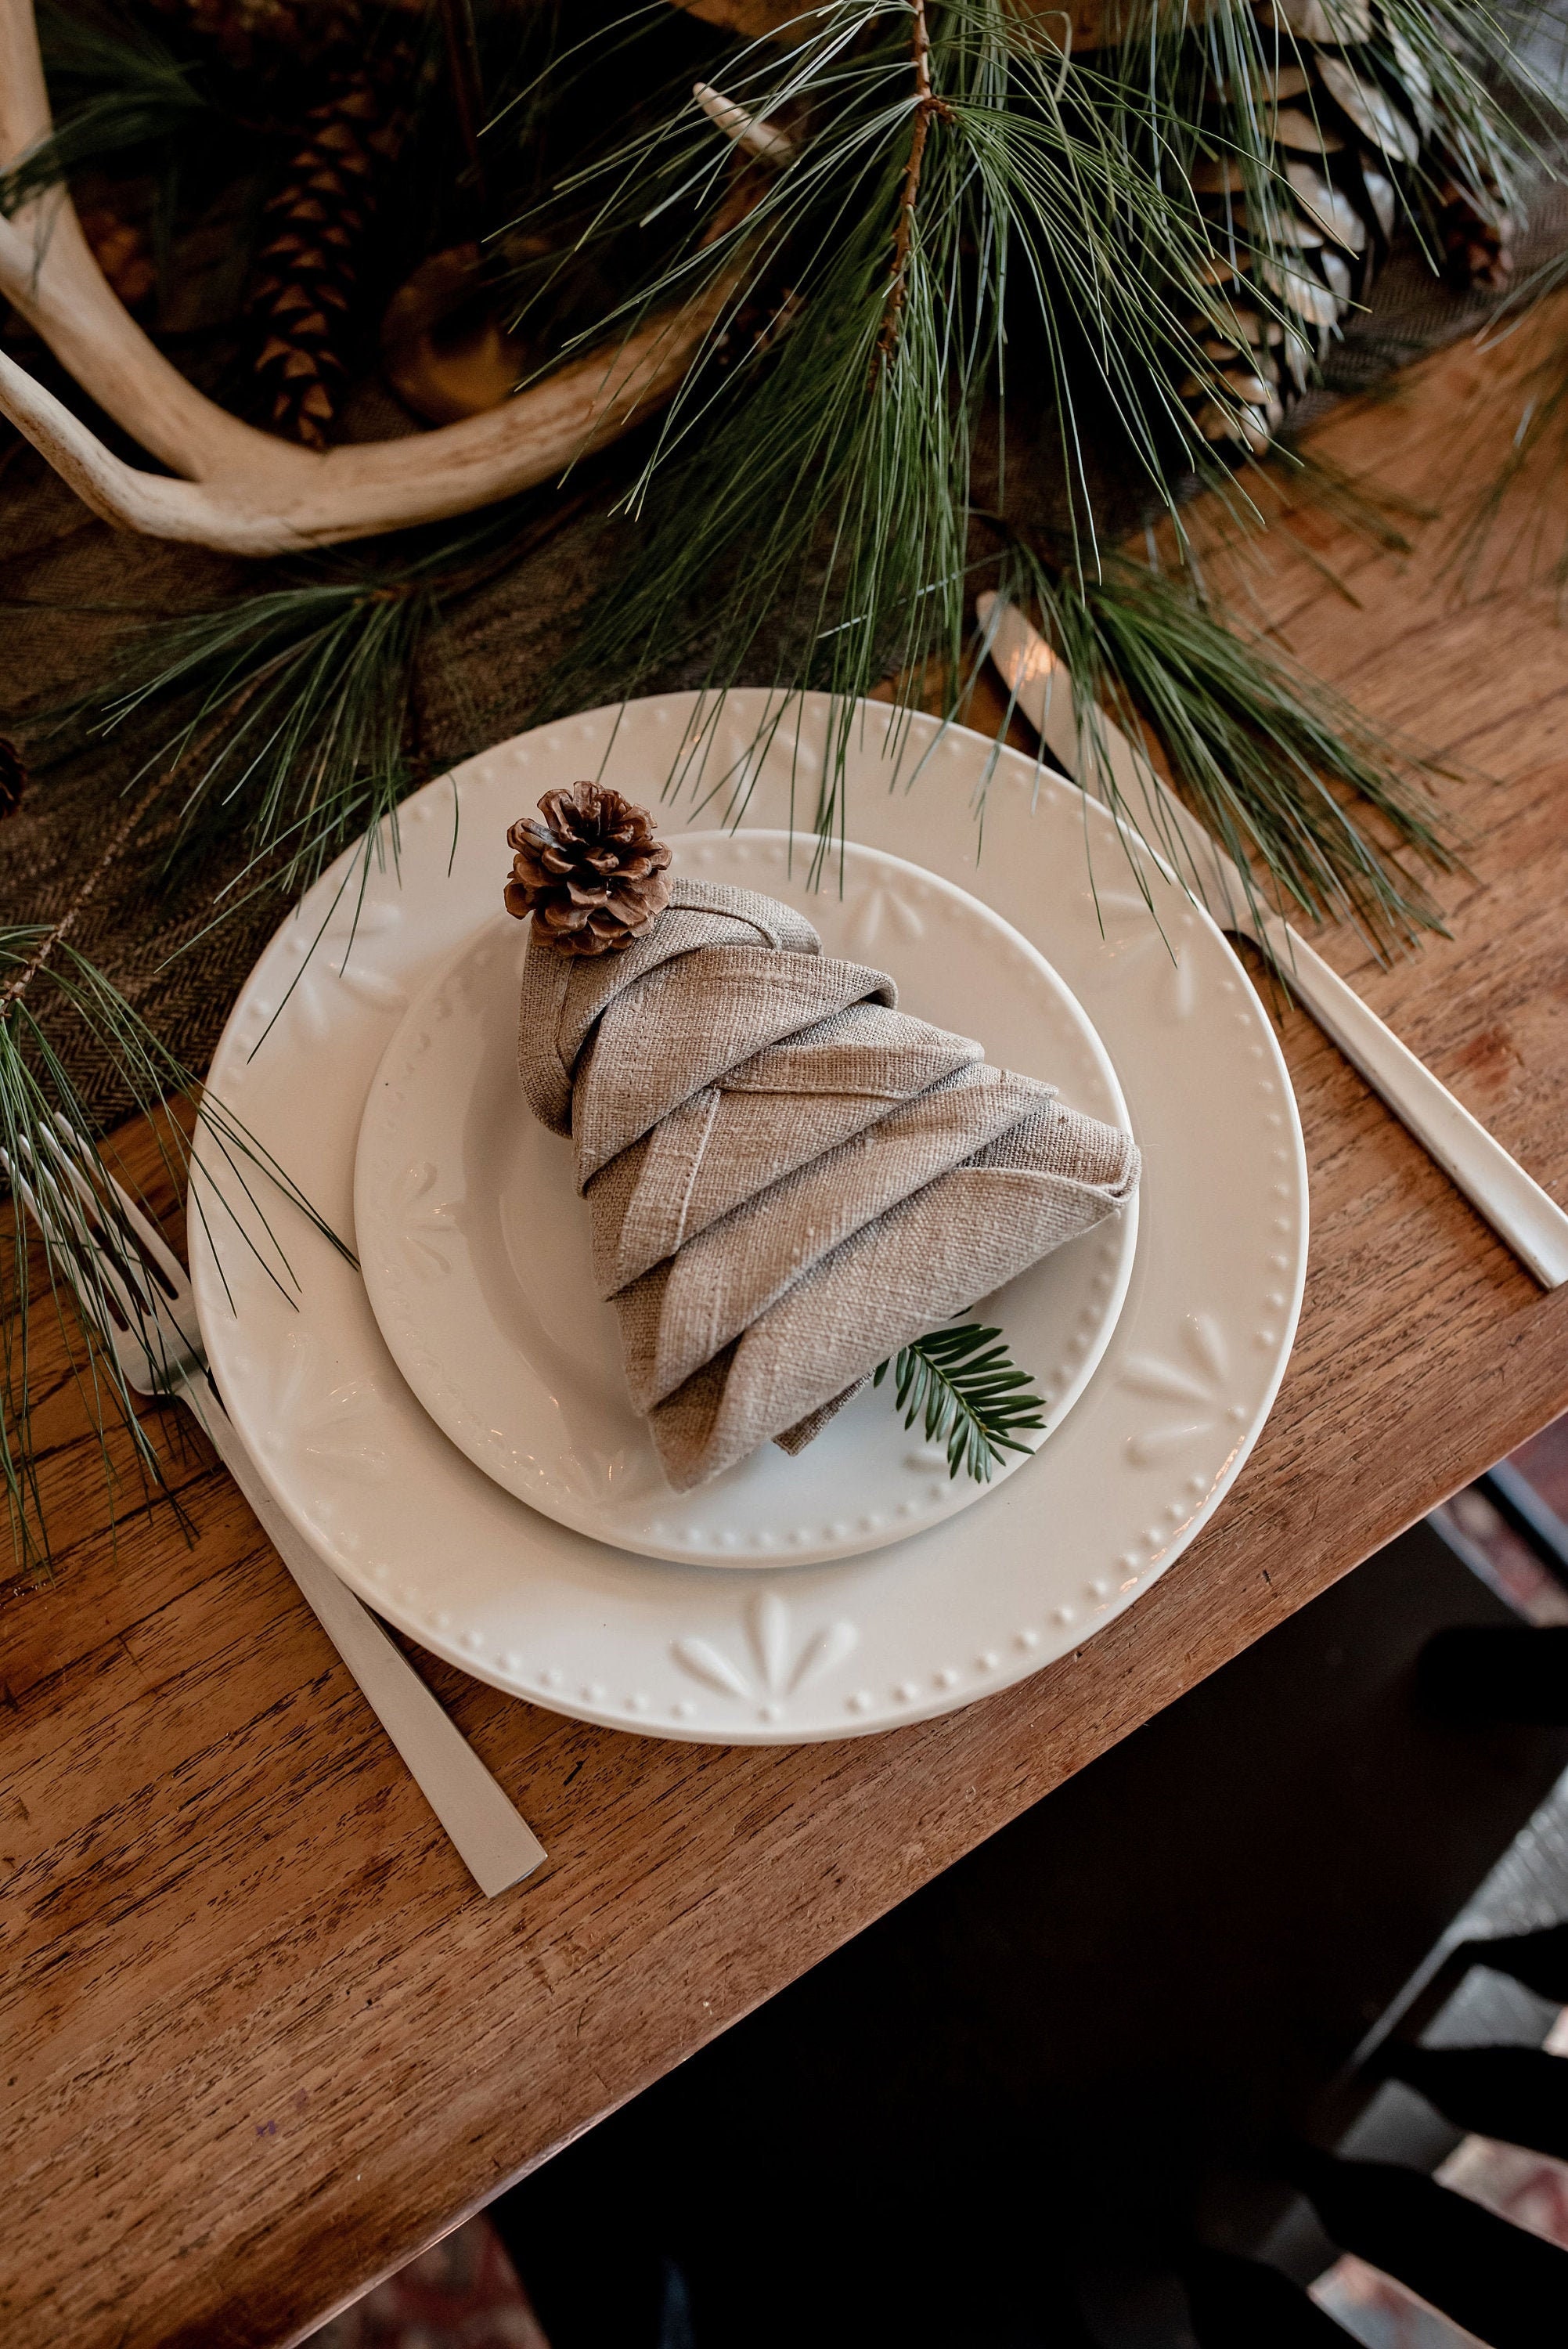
(592, 874)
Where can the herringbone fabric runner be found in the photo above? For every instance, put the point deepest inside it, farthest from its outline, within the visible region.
(789, 1177)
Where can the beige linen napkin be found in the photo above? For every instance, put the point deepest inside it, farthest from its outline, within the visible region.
(789, 1177)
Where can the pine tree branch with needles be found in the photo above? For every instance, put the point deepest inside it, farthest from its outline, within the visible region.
(51, 990)
(814, 488)
(124, 93)
(928, 106)
(1333, 820)
(297, 732)
(41, 961)
(971, 1395)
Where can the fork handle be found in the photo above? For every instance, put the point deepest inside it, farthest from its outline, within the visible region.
(495, 1842)
(1531, 1223)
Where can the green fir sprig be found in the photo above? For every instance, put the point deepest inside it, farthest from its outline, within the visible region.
(1334, 819)
(121, 93)
(958, 217)
(971, 1394)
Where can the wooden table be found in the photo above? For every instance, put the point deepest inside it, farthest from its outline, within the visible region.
(263, 2038)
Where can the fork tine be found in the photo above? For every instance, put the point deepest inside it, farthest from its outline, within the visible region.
(67, 1249)
(161, 1257)
(85, 1210)
(146, 1340)
(68, 1231)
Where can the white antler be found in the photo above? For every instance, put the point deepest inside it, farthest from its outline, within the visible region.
(763, 139)
(240, 490)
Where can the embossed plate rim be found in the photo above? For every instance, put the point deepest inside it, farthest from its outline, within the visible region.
(895, 1635)
(865, 1484)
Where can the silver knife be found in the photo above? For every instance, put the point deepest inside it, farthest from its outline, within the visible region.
(1497, 1186)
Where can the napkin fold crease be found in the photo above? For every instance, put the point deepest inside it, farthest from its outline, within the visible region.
(788, 1178)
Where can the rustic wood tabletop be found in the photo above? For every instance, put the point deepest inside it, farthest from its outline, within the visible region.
(263, 2040)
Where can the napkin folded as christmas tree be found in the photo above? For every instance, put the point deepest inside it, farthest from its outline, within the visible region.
(790, 1178)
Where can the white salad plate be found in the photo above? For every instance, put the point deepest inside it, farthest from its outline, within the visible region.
(796, 1651)
(475, 1243)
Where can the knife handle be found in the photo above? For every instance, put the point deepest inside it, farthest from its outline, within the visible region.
(494, 1842)
(1496, 1186)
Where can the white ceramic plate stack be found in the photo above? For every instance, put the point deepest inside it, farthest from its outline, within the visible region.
(469, 1461)
(475, 1244)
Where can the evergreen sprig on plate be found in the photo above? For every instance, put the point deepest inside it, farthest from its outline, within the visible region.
(970, 1394)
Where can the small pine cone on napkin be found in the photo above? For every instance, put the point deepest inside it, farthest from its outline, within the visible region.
(592, 874)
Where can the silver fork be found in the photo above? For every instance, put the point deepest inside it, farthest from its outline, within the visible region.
(134, 1291)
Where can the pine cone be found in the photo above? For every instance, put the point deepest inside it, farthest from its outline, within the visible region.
(592, 874)
(267, 33)
(307, 272)
(1350, 110)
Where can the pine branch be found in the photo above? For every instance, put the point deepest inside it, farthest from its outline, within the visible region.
(127, 92)
(811, 489)
(297, 735)
(1512, 519)
(927, 106)
(42, 965)
(1299, 789)
(35, 1093)
(971, 1395)
(59, 932)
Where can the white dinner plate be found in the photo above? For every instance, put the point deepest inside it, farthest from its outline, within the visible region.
(792, 1652)
(475, 1245)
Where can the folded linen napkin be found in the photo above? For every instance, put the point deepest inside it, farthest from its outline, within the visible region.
(789, 1177)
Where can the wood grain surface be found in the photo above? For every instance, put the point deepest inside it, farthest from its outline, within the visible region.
(263, 2038)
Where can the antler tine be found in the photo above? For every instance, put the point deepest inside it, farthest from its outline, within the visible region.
(48, 272)
(763, 139)
(360, 491)
(239, 490)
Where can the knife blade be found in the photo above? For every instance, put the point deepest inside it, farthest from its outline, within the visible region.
(1521, 1212)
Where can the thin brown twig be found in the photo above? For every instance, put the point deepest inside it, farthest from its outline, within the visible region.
(927, 104)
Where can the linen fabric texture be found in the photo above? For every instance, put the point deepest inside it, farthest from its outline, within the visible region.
(789, 1177)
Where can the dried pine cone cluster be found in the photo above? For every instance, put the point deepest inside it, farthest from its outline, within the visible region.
(592, 874)
(1351, 111)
